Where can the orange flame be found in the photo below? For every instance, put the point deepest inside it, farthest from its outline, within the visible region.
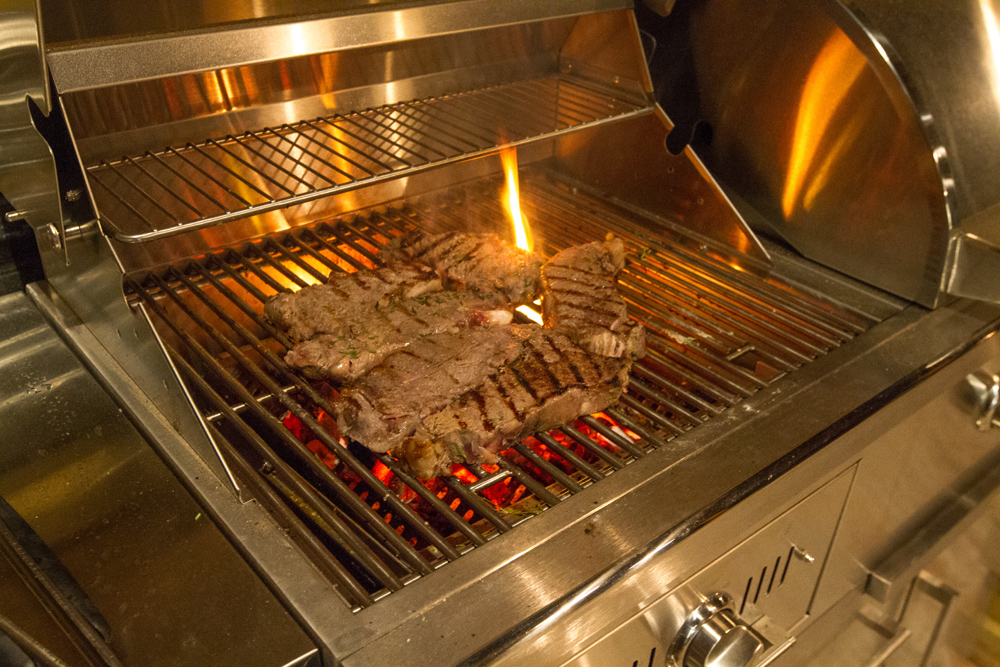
(512, 203)
(512, 199)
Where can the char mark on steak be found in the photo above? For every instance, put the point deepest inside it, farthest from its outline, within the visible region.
(479, 261)
(392, 325)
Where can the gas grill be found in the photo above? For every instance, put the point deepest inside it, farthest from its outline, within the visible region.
(179, 174)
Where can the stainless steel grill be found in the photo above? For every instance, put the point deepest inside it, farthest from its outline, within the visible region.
(717, 334)
(195, 185)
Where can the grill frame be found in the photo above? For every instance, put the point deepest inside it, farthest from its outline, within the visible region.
(352, 241)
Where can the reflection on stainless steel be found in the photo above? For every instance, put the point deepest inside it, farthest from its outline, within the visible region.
(139, 546)
(27, 168)
(163, 55)
(812, 127)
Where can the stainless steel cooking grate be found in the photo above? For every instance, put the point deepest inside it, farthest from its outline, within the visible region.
(717, 334)
(157, 194)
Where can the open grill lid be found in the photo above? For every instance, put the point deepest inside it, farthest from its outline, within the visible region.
(864, 131)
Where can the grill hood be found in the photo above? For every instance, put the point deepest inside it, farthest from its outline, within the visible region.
(864, 132)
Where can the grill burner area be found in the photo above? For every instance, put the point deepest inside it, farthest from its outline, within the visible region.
(716, 335)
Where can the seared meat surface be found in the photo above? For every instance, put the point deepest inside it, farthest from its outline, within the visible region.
(391, 325)
(579, 298)
(480, 261)
(387, 405)
(346, 298)
(550, 383)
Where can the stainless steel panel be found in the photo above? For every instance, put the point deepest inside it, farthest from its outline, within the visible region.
(151, 114)
(910, 473)
(813, 127)
(93, 65)
(771, 576)
(948, 53)
(172, 589)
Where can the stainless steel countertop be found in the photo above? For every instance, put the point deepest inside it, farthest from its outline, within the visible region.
(170, 585)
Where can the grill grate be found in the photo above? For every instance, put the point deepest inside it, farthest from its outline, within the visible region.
(158, 194)
(716, 335)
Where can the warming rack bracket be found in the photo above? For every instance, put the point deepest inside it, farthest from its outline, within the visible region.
(192, 186)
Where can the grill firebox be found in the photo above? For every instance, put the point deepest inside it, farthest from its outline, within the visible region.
(717, 334)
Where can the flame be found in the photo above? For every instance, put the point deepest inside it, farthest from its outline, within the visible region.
(512, 204)
(512, 200)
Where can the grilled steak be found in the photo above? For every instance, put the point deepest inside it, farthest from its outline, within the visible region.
(428, 361)
(480, 261)
(551, 382)
(464, 396)
(391, 325)
(346, 298)
(386, 405)
(580, 299)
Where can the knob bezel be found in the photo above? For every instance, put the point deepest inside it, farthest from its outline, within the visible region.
(710, 607)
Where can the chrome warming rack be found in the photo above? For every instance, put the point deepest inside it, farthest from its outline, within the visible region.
(157, 194)
(717, 334)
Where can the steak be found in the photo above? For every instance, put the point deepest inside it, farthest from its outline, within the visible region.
(387, 405)
(551, 382)
(579, 298)
(479, 261)
(429, 363)
(464, 396)
(346, 298)
(391, 325)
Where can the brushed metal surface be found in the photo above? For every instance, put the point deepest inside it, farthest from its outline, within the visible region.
(172, 589)
(813, 127)
(123, 119)
(912, 472)
(762, 576)
(97, 64)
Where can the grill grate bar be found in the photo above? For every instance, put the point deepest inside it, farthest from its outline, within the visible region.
(286, 166)
(710, 346)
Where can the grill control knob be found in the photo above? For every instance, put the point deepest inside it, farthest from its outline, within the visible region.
(712, 636)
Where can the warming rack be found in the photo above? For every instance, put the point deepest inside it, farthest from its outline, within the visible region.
(716, 333)
(195, 185)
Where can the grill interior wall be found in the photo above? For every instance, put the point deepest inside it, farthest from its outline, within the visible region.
(717, 334)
